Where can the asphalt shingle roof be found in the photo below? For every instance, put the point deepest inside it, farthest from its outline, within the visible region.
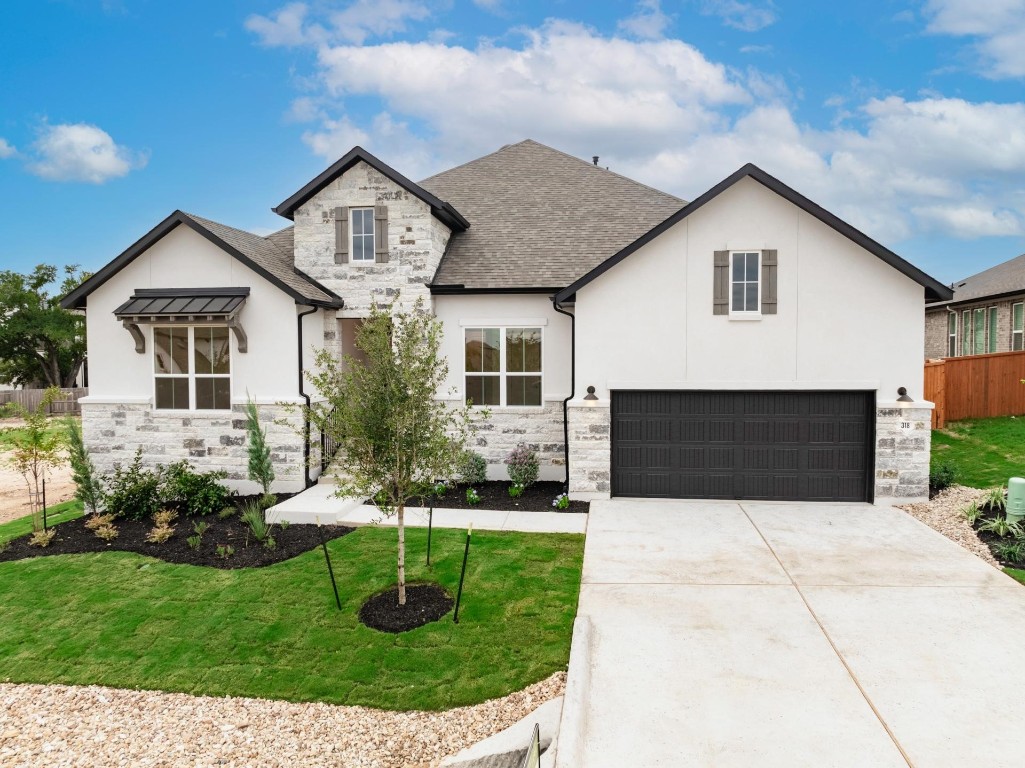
(540, 218)
(1008, 277)
(274, 253)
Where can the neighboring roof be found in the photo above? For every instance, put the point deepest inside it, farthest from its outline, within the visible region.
(933, 288)
(540, 218)
(261, 254)
(1001, 280)
(183, 302)
(441, 209)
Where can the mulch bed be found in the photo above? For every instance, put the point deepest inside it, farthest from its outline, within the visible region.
(495, 495)
(73, 537)
(424, 603)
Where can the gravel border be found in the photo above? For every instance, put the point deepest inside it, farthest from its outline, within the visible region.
(60, 726)
(943, 513)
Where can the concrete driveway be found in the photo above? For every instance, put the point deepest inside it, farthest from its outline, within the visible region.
(758, 634)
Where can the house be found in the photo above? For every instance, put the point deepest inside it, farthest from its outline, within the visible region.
(986, 314)
(646, 346)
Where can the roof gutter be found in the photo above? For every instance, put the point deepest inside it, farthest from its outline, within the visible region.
(302, 393)
(572, 382)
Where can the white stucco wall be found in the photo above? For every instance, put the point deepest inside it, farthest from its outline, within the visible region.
(540, 427)
(846, 320)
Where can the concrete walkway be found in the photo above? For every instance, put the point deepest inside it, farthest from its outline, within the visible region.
(319, 504)
(755, 634)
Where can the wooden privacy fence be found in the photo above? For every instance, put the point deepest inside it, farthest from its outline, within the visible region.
(976, 387)
(31, 398)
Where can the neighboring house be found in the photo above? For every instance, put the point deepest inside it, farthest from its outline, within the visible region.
(986, 314)
(687, 350)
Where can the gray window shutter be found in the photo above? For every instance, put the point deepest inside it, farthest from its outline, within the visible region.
(381, 233)
(769, 262)
(341, 235)
(721, 284)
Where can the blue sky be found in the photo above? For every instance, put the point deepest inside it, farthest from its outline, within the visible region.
(905, 117)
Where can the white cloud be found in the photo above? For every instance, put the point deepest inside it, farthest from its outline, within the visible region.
(291, 25)
(662, 112)
(6, 150)
(488, 5)
(649, 22)
(997, 25)
(747, 17)
(81, 152)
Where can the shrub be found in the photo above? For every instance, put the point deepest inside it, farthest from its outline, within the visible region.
(194, 542)
(998, 525)
(98, 521)
(1011, 551)
(228, 511)
(106, 532)
(200, 528)
(261, 468)
(942, 477)
(523, 465)
(134, 492)
(561, 501)
(88, 485)
(515, 491)
(224, 551)
(42, 538)
(472, 468)
(472, 497)
(159, 534)
(165, 517)
(198, 493)
(252, 516)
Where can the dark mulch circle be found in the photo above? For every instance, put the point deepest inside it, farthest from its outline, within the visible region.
(495, 495)
(74, 538)
(424, 603)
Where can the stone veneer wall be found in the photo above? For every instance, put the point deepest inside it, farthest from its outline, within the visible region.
(209, 441)
(539, 428)
(590, 450)
(902, 455)
(416, 242)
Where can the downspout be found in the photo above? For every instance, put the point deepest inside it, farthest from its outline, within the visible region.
(572, 381)
(306, 397)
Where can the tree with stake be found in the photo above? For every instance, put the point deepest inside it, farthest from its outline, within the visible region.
(36, 449)
(394, 436)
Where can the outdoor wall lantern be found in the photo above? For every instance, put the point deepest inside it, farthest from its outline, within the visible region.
(590, 398)
(903, 397)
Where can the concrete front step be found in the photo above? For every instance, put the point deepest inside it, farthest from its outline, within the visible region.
(317, 504)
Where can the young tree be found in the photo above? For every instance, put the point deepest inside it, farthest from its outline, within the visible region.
(261, 468)
(40, 342)
(88, 484)
(36, 449)
(395, 438)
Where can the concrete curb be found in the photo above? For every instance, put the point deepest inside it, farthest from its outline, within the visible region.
(569, 749)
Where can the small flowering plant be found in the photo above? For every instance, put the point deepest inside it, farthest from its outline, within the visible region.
(561, 501)
(440, 489)
(472, 497)
(515, 490)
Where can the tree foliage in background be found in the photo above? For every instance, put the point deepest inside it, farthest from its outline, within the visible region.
(88, 485)
(395, 438)
(36, 449)
(40, 343)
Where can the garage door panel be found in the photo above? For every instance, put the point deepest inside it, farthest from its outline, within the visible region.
(753, 445)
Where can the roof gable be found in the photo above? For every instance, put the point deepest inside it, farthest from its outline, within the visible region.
(441, 210)
(258, 253)
(541, 218)
(933, 288)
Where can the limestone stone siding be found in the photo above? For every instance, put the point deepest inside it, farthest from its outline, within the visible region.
(590, 451)
(539, 428)
(416, 241)
(903, 442)
(209, 441)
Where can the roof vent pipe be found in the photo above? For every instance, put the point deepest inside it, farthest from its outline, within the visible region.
(594, 159)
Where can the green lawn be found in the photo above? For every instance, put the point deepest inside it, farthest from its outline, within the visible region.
(9, 434)
(129, 621)
(985, 452)
(1015, 574)
(58, 513)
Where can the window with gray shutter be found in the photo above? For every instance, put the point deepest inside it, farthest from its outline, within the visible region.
(769, 262)
(381, 233)
(341, 235)
(721, 283)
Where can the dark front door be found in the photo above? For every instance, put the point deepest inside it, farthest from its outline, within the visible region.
(793, 446)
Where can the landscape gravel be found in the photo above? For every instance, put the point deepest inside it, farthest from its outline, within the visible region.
(943, 513)
(63, 726)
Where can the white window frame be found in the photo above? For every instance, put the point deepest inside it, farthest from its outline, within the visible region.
(502, 373)
(365, 236)
(757, 311)
(1018, 334)
(952, 336)
(192, 375)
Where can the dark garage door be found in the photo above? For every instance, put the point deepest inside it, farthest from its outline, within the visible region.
(801, 446)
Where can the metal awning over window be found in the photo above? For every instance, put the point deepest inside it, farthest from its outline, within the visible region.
(183, 306)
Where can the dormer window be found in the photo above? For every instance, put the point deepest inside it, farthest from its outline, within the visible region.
(362, 229)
